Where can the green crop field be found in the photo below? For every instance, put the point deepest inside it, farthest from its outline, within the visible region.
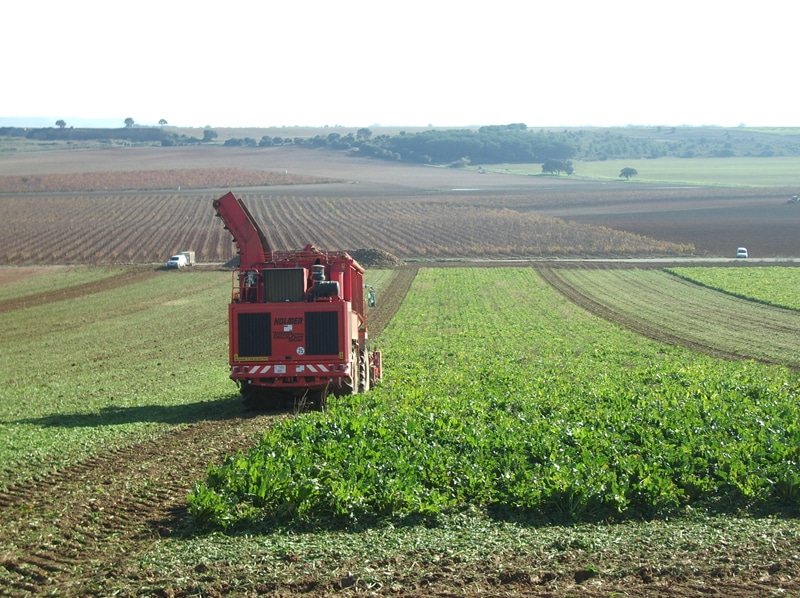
(55, 279)
(774, 286)
(87, 374)
(563, 416)
(748, 172)
(670, 308)
(517, 439)
(589, 426)
(732, 172)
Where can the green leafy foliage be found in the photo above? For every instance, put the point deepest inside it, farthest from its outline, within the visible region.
(501, 394)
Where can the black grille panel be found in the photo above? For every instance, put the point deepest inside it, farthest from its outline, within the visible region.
(255, 335)
(322, 333)
(284, 284)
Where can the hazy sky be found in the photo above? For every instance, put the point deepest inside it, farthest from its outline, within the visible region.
(410, 63)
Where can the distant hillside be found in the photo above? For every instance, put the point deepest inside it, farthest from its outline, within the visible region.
(518, 143)
(682, 142)
(492, 144)
(134, 134)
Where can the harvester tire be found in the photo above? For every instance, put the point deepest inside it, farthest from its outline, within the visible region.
(364, 378)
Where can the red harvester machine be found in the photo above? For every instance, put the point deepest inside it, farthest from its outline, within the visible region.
(297, 319)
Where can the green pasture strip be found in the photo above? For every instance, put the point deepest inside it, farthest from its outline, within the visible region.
(54, 278)
(736, 172)
(747, 172)
(775, 130)
(669, 306)
(774, 285)
(85, 375)
(501, 394)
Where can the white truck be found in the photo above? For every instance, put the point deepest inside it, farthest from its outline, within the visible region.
(179, 260)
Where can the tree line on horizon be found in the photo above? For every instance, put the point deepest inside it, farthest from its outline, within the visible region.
(492, 144)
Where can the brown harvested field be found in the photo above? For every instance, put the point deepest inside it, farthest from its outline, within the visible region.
(716, 221)
(413, 212)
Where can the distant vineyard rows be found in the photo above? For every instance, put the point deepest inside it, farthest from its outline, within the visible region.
(143, 180)
(147, 228)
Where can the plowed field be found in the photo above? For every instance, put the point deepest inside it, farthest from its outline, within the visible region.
(413, 212)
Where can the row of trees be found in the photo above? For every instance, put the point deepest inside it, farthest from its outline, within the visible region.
(491, 144)
(332, 140)
(456, 147)
(488, 145)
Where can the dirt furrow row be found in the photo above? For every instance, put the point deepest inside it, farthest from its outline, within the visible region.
(390, 300)
(129, 276)
(109, 507)
(640, 326)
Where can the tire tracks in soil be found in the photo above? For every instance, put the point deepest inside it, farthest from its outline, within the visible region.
(103, 511)
(391, 299)
(129, 276)
(639, 326)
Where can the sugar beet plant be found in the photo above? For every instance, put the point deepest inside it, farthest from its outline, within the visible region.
(501, 394)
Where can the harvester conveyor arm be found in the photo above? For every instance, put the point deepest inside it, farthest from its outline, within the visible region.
(253, 245)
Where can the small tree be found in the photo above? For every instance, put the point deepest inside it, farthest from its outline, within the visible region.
(162, 122)
(553, 165)
(628, 173)
(363, 133)
(61, 124)
(129, 122)
(209, 135)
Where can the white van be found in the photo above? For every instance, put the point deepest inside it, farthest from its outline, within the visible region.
(741, 252)
(177, 261)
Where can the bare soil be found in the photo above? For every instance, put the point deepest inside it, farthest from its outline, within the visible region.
(79, 525)
(715, 221)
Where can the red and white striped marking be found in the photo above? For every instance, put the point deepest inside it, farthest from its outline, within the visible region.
(303, 368)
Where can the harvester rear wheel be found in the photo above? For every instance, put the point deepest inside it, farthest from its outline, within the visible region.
(363, 371)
